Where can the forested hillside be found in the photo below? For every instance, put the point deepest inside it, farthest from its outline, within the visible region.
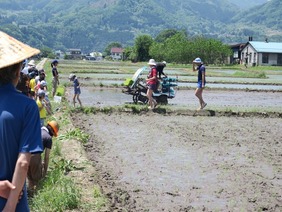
(268, 15)
(92, 25)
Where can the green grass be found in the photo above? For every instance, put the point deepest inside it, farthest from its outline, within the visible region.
(77, 134)
(100, 199)
(56, 192)
(59, 193)
(250, 74)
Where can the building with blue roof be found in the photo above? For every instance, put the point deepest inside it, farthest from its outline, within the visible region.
(262, 53)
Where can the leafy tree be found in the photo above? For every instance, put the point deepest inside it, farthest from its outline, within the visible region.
(162, 36)
(157, 51)
(47, 52)
(180, 49)
(211, 51)
(142, 46)
(177, 48)
(107, 50)
(127, 53)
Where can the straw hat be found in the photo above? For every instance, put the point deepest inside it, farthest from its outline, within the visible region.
(13, 51)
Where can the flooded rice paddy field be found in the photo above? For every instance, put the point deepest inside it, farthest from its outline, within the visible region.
(273, 82)
(171, 162)
(101, 97)
(153, 162)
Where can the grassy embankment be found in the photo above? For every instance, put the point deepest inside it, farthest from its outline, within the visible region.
(60, 191)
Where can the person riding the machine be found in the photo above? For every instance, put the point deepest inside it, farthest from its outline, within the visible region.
(160, 69)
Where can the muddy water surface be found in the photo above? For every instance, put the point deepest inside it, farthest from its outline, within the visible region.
(152, 162)
(215, 98)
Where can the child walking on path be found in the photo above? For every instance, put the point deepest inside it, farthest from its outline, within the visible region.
(198, 66)
(77, 90)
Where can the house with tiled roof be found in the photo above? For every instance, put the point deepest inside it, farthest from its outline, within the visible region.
(262, 53)
(117, 53)
(74, 54)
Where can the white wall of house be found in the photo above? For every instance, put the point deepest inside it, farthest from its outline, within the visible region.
(116, 56)
(270, 59)
(250, 53)
(259, 58)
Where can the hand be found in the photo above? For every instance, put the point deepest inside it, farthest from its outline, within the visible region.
(5, 188)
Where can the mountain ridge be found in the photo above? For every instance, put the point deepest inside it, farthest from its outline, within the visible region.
(91, 25)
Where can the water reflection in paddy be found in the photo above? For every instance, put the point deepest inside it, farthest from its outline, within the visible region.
(113, 97)
(111, 79)
(107, 82)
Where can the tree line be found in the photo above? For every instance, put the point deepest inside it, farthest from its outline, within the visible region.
(176, 47)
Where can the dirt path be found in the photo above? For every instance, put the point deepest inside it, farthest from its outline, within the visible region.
(40, 65)
(154, 162)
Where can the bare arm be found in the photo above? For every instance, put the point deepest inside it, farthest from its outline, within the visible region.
(203, 79)
(46, 107)
(194, 67)
(19, 177)
(46, 161)
(154, 77)
(5, 188)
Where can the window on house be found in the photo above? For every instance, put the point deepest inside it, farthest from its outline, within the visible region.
(255, 57)
(265, 58)
(279, 59)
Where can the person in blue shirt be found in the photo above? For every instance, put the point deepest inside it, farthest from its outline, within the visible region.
(20, 134)
(77, 90)
(5, 188)
(199, 66)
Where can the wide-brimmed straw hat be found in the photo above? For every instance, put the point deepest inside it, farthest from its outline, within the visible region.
(13, 51)
(152, 62)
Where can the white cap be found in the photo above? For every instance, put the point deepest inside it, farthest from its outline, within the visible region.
(152, 62)
(197, 60)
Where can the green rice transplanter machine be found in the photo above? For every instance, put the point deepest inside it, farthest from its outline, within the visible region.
(136, 86)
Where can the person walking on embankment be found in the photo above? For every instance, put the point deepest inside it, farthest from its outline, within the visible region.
(198, 65)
